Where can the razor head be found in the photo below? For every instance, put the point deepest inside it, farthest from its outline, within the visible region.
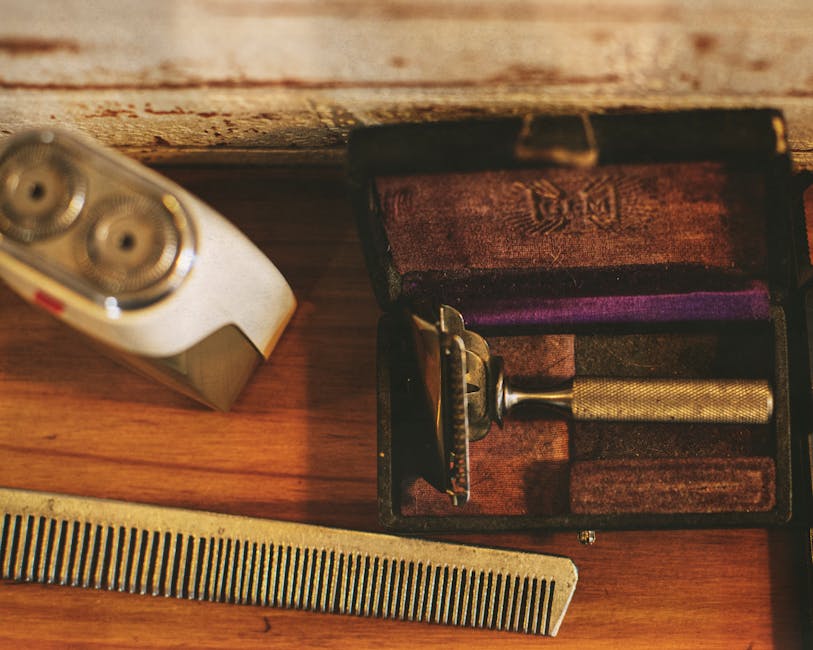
(441, 359)
(454, 367)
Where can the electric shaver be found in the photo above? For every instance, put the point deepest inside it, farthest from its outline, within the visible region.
(137, 264)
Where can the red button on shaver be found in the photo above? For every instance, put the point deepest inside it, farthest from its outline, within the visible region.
(48, 302)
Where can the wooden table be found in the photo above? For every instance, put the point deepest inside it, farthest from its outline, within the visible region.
(300, 446)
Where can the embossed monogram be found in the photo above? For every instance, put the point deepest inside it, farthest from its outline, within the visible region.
(554, 209)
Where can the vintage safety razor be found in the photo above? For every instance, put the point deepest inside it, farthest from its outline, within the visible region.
(130, 259)
(466, 389)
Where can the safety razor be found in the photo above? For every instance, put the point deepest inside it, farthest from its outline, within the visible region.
(466, 389)
(137, 264)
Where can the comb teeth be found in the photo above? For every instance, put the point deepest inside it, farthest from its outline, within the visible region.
(54, 539)
(242, 572)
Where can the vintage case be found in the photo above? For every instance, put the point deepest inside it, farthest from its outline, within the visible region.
(626, 245)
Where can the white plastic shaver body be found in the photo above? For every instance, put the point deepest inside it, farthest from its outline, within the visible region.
(137, 264)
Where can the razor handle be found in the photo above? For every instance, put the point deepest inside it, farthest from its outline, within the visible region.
(653, 400)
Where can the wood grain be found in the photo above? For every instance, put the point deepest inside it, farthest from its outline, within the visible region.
(278, 81)
(300, 446)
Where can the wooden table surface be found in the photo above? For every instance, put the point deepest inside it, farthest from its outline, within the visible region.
(300, 446)
(264, 80)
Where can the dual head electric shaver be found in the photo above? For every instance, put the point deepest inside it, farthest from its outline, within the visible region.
(137, 264)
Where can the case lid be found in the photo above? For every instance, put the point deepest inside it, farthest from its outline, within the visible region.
(669, 215)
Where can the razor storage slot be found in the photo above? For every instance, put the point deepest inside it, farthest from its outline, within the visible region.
(542, 465)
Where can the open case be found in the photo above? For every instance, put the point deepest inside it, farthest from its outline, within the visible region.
(654, 245)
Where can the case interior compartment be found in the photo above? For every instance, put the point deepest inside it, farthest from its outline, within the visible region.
(541, 464)
(668, 262)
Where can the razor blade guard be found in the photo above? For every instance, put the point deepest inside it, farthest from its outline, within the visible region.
(442, 350)
(128, 258)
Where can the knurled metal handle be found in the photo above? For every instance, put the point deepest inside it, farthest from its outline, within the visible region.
(672, 400)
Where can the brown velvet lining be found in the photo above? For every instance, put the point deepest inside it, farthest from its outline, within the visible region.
(699, 213)
(531, 479)
(613, 440)
(546, 358)
(662, 486)
(732, 351)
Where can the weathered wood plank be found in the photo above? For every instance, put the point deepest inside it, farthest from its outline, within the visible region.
(640, 45)
(283, 127)
(281, 81)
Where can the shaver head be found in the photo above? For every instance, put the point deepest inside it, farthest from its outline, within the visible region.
(456, 370)
(41, 192)
(131, 244)
(110, 235)
(135, 263)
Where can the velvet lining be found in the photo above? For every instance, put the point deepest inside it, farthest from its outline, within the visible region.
(701, 213)
(614, 244)
(653, 308)
(690, 485)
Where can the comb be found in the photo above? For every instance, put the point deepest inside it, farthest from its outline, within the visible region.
(143, 549)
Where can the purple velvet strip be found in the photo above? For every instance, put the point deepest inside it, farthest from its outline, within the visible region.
(752, 303)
